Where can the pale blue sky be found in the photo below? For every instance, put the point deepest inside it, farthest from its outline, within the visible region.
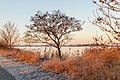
(20, 11)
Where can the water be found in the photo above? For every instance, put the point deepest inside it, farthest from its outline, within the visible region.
(69, 50)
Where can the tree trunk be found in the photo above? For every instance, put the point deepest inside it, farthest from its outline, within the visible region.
(59, 52)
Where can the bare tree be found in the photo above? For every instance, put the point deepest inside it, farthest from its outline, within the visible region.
(52, 28)
(9, 34)
(107, 17)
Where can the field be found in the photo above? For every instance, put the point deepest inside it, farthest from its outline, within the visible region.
(92, 64)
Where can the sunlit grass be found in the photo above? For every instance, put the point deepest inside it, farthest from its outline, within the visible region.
(92, 64)
(19, 55)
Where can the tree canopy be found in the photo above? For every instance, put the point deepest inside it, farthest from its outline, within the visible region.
(52, 28)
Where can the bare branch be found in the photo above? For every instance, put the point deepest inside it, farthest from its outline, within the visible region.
(106, 19)
(53, 27)
(9, 33)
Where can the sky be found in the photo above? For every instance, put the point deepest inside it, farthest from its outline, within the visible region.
(20, 12)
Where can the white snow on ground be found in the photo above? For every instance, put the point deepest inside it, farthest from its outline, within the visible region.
(24, 71)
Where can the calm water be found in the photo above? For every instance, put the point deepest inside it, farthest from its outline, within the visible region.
(66, 50)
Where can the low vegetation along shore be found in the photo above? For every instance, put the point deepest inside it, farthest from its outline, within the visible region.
(93, 64)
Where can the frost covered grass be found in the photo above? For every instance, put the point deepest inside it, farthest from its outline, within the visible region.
(92, 64)
(20, 55)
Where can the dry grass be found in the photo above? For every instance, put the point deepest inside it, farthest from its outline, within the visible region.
(100, 64)
(26, 56)
(94, 64)
(60, 66)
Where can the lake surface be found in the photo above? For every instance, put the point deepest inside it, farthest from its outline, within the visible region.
(68, 50)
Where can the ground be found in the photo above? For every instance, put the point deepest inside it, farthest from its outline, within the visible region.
(5, 75)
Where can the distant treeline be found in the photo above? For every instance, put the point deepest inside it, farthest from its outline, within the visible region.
(77, 45)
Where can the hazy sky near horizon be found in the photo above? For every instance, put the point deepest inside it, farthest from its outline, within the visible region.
(20, 11)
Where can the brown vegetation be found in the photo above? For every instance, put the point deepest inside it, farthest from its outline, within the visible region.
(94, 64)
(19, 55)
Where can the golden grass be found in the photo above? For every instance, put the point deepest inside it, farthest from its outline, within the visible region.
(59, 66)
(100, 63)
(27, 56)
(94, 64)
